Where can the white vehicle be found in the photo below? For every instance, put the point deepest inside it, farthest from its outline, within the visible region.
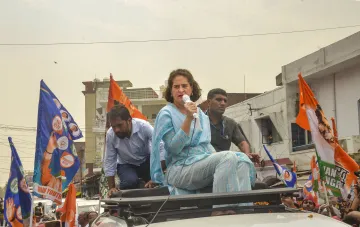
(84, 205)
(195, 210)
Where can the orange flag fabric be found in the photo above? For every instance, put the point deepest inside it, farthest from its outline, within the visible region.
(68, 209)
(337, 165)
(116, 95)
(335, 129)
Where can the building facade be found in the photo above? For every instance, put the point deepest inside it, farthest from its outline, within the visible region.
(333, 73)
(147, 100)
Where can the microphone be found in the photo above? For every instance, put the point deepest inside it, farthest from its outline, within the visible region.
(187, 99)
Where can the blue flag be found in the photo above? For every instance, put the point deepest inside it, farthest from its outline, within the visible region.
(56, 160)
(17, 197)
(287, 176)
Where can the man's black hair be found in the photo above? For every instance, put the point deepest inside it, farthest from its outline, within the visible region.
(216, 91)
(119, 111)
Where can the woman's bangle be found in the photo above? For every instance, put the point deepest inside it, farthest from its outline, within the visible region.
(48, 152)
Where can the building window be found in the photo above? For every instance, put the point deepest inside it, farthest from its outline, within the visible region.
(268, 131)
(301, 139)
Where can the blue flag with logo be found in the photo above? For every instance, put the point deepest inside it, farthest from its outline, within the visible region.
(17, 197)
(287, 176)
(56, 160)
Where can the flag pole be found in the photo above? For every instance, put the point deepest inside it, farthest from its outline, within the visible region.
(31, 211)
(325, 191)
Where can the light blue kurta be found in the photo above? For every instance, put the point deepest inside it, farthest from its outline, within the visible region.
(185, 151)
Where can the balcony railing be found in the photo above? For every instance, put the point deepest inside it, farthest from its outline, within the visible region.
(134, 94)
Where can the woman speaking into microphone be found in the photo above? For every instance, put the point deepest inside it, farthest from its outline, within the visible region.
(192, 162)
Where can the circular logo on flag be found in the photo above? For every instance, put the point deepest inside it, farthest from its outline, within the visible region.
(63, 143)
(287, 175)
(14, 187)
(24, 186)
(57, 103)
(67, 160)
(57, 124)
(18, 213)
(65, 115)
(308, 184)
(75, 131)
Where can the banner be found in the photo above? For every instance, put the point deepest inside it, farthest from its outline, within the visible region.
(56, 160)
(287, 176)
(17, 197)
(337, 165)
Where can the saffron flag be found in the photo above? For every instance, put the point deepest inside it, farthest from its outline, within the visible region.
(68, 209)
(56, 160)
(287, 176)
(116, 95)
(337, 165)
(17, 197)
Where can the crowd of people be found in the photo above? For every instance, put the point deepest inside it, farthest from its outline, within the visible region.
(337, 208)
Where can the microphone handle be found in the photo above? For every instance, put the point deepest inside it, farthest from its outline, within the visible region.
(195, 115)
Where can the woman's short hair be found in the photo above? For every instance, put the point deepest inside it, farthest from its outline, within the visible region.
(196, 93)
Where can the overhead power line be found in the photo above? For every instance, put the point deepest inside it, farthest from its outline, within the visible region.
(179, 39)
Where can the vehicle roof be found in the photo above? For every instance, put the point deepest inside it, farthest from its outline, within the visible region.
(258, 220)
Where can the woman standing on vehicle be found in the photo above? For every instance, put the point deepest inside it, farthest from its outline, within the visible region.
(192, 162)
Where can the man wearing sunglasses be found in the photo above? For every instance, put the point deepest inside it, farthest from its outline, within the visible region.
(225, 130)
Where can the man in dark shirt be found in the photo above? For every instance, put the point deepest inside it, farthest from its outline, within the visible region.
(225, 130)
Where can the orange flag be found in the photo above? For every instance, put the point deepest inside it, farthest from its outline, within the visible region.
(117, 95)
(335, 129)
(337, 165)
(68, 209)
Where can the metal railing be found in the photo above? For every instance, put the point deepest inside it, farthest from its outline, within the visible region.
(135, 94)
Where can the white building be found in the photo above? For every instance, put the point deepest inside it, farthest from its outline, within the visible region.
(333, 73)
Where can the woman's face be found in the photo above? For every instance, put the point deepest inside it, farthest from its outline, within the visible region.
(180, 87)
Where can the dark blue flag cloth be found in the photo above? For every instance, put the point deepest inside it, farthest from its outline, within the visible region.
(17, 197)
(56, 160)
(287, 176)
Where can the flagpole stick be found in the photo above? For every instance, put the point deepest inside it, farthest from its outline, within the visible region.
(31, 211)
(326, 196)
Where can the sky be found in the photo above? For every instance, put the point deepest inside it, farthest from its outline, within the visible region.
(213, 62)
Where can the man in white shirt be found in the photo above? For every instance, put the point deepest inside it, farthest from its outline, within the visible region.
(128, 149)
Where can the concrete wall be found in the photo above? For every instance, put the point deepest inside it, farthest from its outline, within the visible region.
(324, 60)
(149, 110)
(347, 96)
(265, 104)
(89, 122)
(338, 95)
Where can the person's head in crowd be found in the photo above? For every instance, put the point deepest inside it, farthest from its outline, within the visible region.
(120, 120)
(92, 215)
(181, 82)
(352, 218)
(334, 201)
(288, 200)
(83, 219)
(217, 100)
(308, 203)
